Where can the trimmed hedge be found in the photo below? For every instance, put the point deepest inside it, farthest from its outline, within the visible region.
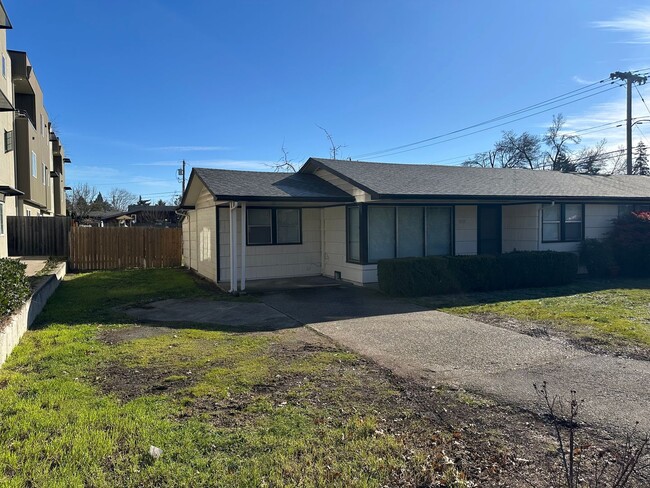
(14, 286)
(454, 274)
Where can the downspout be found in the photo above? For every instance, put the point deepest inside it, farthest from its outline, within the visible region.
(243, 246)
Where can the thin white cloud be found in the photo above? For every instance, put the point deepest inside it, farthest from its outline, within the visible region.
(189, 148)
(636, 23)
(582, 81)
(237, 164)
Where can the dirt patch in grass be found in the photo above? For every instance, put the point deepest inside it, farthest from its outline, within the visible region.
(463, 434)
(550, 331)
(119, 335)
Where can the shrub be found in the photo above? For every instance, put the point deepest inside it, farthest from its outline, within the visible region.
(14, 287)
(630, 241)
(453, 274)
(598, 257)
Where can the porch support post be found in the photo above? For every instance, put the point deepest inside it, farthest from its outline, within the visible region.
(233, 247)
(243, 246)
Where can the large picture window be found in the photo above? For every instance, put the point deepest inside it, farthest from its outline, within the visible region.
(399, 231)
(562, 222)
(269, 226)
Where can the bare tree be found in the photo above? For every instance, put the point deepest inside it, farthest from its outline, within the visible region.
(120, 199)
(591, 160)
(618, 162)
(284, 164)
(487, 159)
(334, 149)
(82, 200)
(558, 154)
(520, 151)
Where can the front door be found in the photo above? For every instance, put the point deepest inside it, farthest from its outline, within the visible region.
(489, 229)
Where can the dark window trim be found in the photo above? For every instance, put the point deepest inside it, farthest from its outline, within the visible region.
(563, 224)
(274, 226)
(363, 234)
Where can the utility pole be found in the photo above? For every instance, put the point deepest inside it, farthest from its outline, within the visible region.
(629, 78)
(181, 173)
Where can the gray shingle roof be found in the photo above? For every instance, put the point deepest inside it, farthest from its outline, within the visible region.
(420, 180)
(254, 185)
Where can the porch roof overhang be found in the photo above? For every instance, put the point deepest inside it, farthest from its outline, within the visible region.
(10, 191)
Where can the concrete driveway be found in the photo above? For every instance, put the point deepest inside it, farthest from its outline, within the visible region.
(439, 348)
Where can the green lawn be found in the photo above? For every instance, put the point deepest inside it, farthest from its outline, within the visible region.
(615, 312)
(86, 393)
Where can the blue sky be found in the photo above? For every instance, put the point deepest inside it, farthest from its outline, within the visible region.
(135, 87)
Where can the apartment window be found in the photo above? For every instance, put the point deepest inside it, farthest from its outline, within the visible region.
(9, 141)
(44, 175)
(4, 66)
(408, 231)
(269, 226)
(2, 218)
(42, 124)
(562, 222)
(28, 213)
(34, 165)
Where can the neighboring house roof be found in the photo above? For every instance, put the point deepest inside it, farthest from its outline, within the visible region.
(387, 180)
(102, 215)
(256, 186)
(151, 208)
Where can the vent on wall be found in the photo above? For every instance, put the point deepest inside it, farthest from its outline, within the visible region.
(337, 275)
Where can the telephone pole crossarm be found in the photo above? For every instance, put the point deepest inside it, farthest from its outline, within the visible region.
(629, 78)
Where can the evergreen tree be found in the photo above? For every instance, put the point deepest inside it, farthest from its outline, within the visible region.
(640, 166)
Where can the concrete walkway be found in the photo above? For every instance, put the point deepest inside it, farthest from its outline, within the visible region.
(439, 348)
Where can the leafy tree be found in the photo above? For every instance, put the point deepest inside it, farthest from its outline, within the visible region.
(640, 166)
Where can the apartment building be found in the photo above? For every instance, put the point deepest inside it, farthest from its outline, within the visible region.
(32, 158)
(38, 152)
(8, 190)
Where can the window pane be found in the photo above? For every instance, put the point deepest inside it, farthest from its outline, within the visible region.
(573, 231)
(259, 235)
(573, 213)
(381, 233)
(410, 232)
(551, 232)
(353, 234)
(288, 225)
(2, 218)
(259, 216)
(551, 213)
(438, 231)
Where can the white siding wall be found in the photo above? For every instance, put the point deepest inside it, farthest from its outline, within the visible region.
(280, 261)
(199, 237)
(334, 250)
(520, 227)
(466, 229)
(522, 223)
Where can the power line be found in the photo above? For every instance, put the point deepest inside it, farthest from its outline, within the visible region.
(559, 98)
(642, 99)
(380, 154)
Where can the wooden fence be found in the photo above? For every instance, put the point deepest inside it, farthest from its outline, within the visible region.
(96, 248)
(38, 236)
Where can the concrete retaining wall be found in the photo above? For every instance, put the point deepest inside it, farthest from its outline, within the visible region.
(24, 317)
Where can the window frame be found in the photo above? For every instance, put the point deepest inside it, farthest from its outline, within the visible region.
(34, 165)
(364, 231)
(563, 223)
(9, 141)
(4, 66)
(2, 218)
(274, 227)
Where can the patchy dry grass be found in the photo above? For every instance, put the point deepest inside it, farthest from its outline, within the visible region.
(84, 396)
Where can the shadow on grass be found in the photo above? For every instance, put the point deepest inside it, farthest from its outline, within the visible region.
(101, 297)
(582, 285)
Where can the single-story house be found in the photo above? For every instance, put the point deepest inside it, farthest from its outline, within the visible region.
(338, 218)
(135, 216)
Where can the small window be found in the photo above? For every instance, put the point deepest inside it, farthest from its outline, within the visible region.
(42, 125)
(268, 226)
(562, 222)
(28, 213)
(259, 226)
(44, 175)
(2, 218)
(288, 225)
(34, 165)
(4, 66)
(354, 234)
(9, 141)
